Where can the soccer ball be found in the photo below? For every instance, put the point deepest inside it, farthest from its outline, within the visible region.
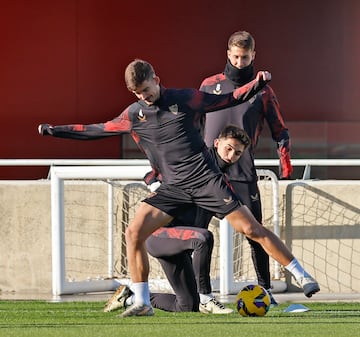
(253, 300)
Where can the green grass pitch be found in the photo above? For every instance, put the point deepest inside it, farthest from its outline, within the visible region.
(47, 319)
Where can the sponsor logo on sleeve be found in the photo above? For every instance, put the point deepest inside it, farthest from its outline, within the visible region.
(217, 90)
(141, 117)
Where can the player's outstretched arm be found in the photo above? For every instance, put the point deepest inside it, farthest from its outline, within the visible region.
(115, 127)
(250, 89)
(77, 131)
(210, 102)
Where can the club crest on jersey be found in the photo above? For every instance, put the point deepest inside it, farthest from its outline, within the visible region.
(217, 90)
(174, 109)
(141, 117)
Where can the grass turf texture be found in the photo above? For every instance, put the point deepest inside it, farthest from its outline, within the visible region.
(47, 319)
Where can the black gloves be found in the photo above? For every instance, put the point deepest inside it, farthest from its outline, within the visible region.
(45, 129)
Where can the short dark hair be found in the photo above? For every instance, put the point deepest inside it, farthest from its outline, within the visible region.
(233, 131)
(137, 72)
(241, 39)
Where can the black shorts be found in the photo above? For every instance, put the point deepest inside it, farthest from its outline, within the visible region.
(215, 196)
(249, 194)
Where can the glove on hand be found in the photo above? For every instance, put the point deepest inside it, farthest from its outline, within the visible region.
(45, 129)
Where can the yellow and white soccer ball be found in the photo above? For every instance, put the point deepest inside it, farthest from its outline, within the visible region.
(253, 300)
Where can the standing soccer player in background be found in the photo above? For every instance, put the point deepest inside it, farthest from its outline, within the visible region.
(250, 116)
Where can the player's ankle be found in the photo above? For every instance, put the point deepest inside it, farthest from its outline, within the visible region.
(206, 298)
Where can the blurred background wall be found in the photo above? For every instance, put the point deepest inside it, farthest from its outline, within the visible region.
(62, 62)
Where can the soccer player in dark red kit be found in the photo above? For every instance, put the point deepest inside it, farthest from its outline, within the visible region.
(165, 124)
(251, 116)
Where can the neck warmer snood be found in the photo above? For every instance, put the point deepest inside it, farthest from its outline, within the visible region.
(237, 76)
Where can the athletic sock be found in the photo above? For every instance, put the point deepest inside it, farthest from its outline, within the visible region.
(295, 268)
(141, 293)
(129, 301)
(205, 298)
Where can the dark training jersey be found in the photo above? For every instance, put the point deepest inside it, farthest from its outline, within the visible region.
(249, 116)
(191, 215)
(168, 131)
